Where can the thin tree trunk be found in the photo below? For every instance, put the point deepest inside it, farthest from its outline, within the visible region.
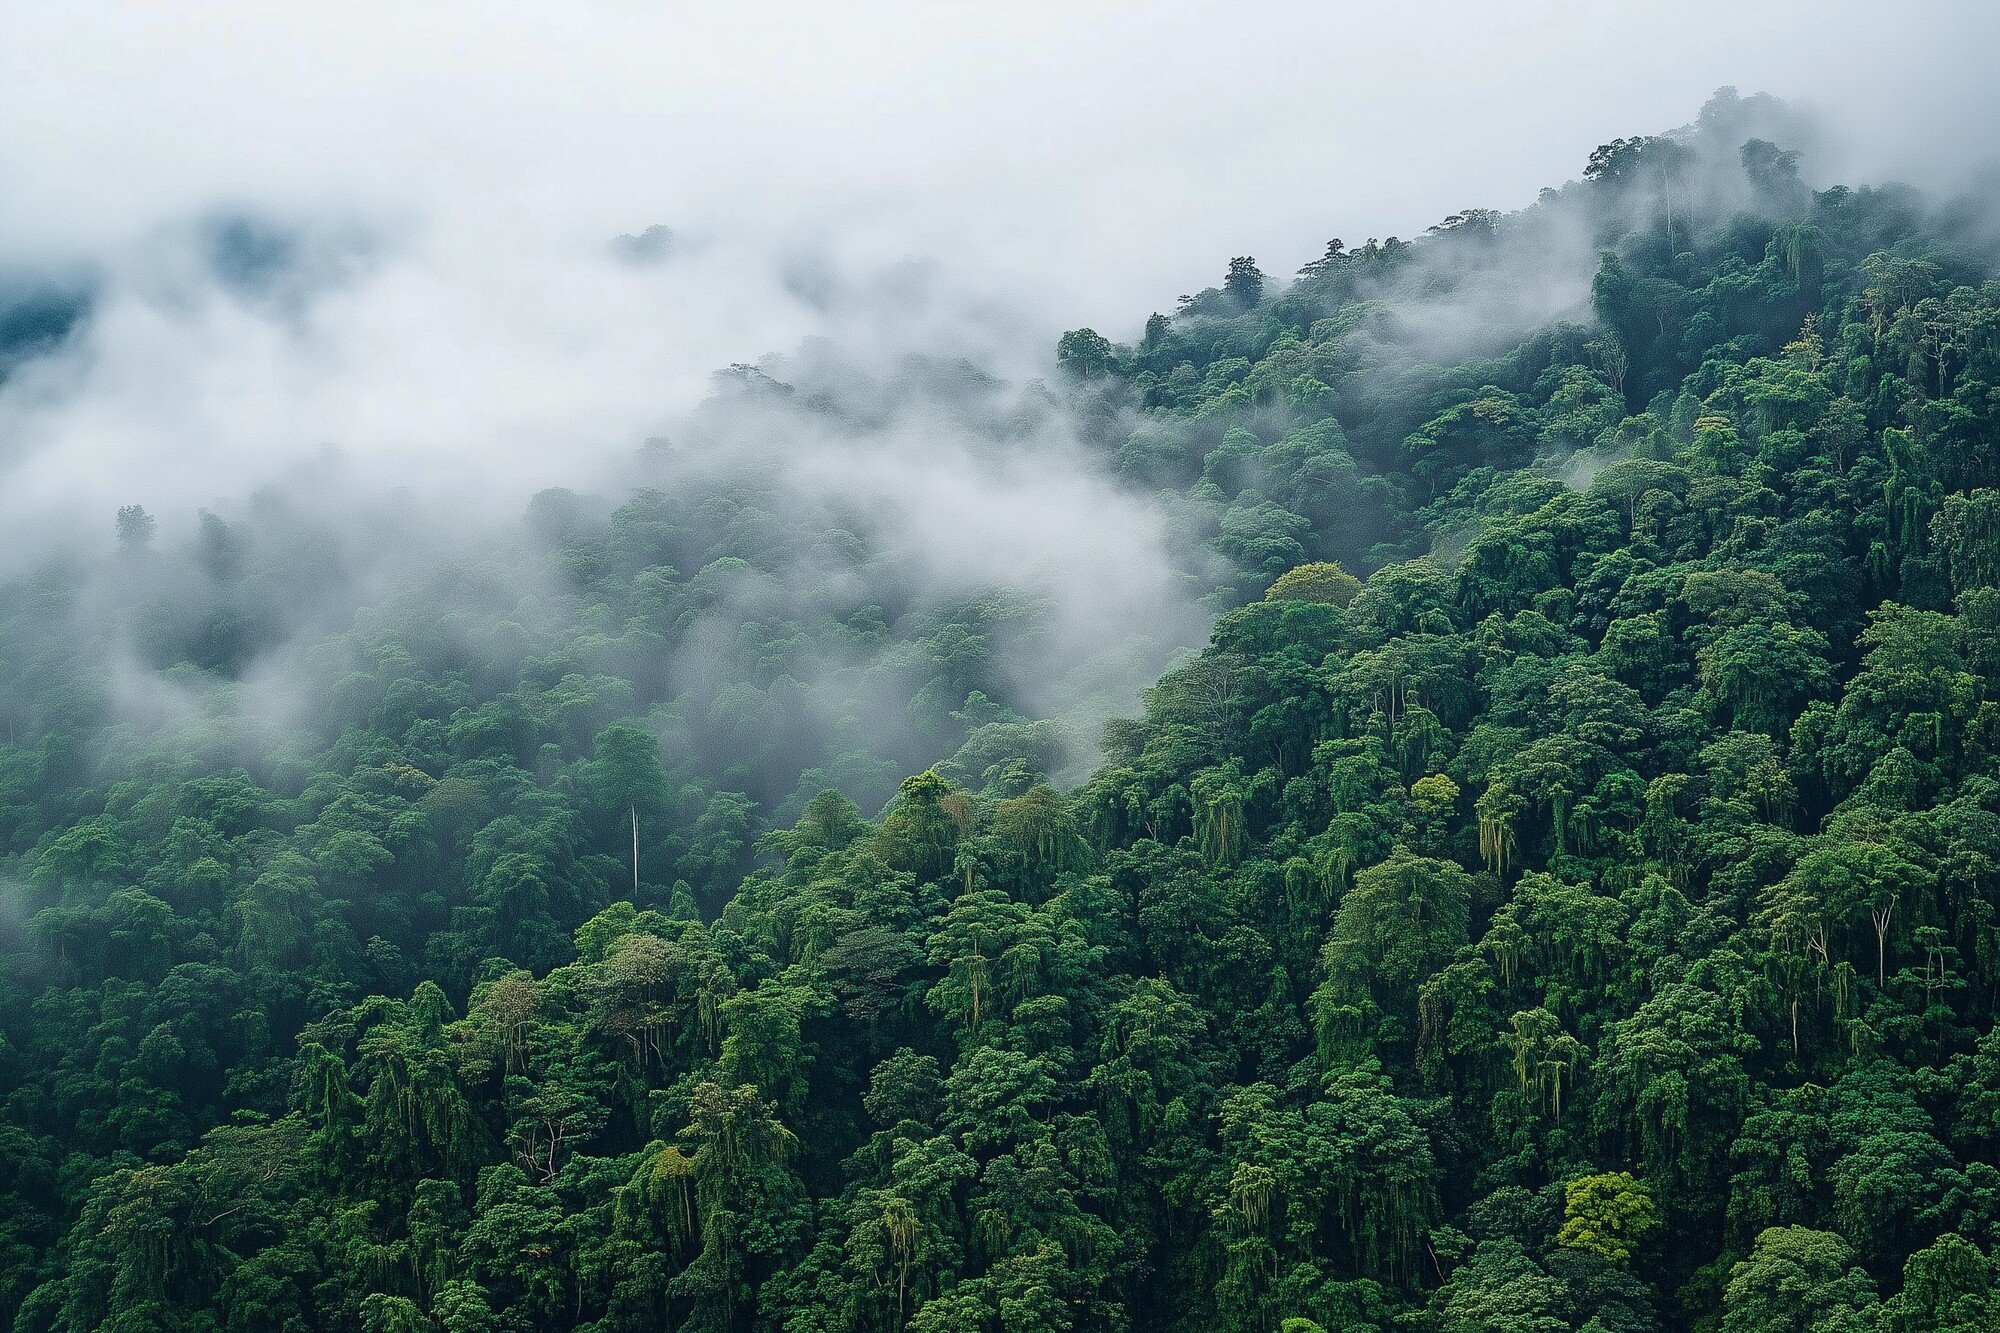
(1881, 916)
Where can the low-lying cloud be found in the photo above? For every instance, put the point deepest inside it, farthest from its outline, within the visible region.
(365, 281)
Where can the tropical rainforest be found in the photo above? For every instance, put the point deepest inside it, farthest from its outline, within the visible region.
(1561, 895)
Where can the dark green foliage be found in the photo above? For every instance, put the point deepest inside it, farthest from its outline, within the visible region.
(1585, 922)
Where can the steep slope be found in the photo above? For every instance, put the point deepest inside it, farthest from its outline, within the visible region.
(1583, 921)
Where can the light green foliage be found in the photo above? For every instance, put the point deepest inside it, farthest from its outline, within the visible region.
(1607, 1215)
(1324, 581)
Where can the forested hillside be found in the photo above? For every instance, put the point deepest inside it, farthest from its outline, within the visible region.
(1560, 896)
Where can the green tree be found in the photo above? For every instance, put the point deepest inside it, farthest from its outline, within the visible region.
(1798, 1279)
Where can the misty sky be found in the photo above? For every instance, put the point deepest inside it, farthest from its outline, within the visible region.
(1100, 159)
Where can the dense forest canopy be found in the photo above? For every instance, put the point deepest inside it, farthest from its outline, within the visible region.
(1561, 895)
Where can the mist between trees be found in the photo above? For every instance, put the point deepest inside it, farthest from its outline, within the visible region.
(1452, 791)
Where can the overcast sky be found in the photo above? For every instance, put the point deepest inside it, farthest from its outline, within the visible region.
(1102, 158)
